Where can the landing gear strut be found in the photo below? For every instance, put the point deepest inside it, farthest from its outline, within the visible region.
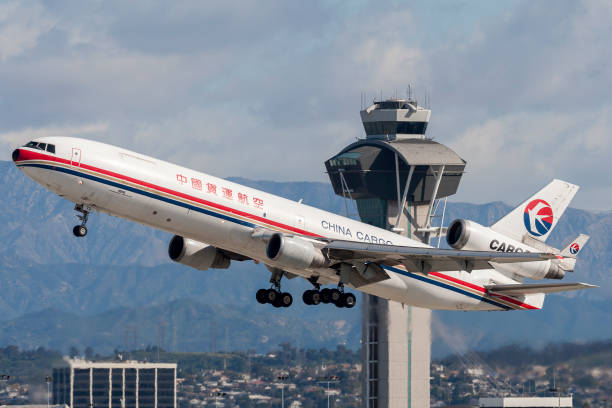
(274, 295)
(81, 230)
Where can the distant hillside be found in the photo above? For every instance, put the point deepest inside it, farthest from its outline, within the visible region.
(125, 265)
(575, 319)
(586, 355)
(183, 325)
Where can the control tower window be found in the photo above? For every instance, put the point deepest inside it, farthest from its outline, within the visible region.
(348, 159)
(393, 105)
(394, 128)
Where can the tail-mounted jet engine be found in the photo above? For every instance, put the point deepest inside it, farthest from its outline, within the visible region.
(469, 235)
(196, 254)
(294, 252)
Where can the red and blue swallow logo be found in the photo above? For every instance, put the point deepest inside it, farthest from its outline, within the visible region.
(574, 248)
(538, 217)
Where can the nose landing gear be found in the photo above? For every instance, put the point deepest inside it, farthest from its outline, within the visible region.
(81, 230)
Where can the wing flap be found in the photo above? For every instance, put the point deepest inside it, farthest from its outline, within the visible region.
(424, 259)
(527, 289)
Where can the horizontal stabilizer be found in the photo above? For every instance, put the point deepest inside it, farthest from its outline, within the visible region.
(526, 289)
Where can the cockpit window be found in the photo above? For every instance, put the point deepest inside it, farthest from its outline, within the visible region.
(41, 146)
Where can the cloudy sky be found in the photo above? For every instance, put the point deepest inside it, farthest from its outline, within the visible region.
(271, 89)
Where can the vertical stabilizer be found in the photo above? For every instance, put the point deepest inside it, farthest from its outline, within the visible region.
(571, 251)
(537, 216)
(574, 247)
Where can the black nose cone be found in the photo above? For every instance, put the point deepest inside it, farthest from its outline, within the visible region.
(15, 154)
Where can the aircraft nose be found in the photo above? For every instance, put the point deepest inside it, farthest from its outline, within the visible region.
(15, 154)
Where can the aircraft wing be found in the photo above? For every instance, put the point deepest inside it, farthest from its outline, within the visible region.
(423, 259)
(526, 289)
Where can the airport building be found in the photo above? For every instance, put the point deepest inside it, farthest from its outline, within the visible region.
(130, 384)
(396, 177)
(526, 402)
(34, 406)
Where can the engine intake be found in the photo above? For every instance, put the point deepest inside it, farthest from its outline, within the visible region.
(294, 252)
(458, 234)
(196, 254)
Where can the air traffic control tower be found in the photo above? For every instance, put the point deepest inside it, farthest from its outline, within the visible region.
(397, 177)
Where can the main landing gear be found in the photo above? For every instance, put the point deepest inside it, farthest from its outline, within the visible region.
(277, 298)
(274, 296)
(326, 295)
(81, 230)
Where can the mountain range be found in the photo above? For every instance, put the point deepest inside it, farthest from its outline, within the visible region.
(117, 287)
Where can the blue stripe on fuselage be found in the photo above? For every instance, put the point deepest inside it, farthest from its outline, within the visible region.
(139, 191)
(242, 222)
(445, 286)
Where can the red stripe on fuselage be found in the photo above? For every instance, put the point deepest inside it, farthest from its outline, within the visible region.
(483, 290)
(32, 155)
(25, 155)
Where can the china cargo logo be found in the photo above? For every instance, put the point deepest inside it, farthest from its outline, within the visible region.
(574, 248)
(538, 218)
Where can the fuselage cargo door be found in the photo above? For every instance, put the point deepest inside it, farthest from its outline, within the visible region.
(75, 159)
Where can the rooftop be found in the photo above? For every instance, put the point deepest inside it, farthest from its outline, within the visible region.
(79, 363)
(526, 402)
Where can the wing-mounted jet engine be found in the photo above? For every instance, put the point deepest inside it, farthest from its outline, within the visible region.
(294, 252)
(196, 254)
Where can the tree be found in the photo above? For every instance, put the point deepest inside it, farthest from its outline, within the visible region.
(73, 352)
(89, 353)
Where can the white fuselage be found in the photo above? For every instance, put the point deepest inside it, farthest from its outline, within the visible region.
(224, 214)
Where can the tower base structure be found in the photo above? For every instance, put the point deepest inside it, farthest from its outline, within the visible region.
(397, 348)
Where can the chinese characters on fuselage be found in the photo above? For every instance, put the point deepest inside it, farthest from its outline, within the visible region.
(226, 192)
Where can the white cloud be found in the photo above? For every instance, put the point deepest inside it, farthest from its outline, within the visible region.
(12, 139)
(520, 91)
(21, 26)
(510, 156)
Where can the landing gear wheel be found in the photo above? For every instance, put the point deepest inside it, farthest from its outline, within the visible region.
(271, 296)
(307, 297)
(286, 299)
(335, 296)
(261, 296)
(278, 301)
(326, 295)
(315, 297)
(79, 230)
(348, 300)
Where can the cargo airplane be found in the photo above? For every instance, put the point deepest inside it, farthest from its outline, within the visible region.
(216, 222)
